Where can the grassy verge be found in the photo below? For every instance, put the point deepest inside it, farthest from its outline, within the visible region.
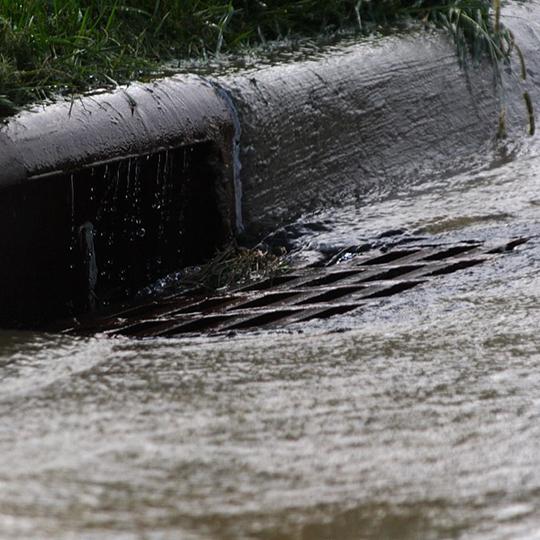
(55, 47)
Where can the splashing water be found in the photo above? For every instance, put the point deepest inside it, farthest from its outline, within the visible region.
(86, 236)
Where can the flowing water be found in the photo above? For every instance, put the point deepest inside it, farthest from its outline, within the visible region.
(415, 417)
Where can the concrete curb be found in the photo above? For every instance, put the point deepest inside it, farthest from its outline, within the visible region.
(139, 119)
(374, 117)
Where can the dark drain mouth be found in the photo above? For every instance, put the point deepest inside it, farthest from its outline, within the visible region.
(303, 295)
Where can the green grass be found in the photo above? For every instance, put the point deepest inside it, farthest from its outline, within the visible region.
(55, 47)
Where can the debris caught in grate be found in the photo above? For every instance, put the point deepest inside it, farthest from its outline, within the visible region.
(301, 295)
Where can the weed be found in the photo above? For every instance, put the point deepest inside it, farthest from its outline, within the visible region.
(477, 30)
(236, 264)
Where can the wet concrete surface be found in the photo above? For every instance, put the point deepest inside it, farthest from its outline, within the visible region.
(413, 417)
(371, 116)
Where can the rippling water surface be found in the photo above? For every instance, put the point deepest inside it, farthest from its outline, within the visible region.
(417, 417)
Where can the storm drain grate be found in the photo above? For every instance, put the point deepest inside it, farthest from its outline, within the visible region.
(302, 295)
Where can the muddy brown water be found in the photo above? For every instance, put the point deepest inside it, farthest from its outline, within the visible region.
(417, 416)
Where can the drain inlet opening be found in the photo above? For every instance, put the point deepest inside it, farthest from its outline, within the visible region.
(75, 241)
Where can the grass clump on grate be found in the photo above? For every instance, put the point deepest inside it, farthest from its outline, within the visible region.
(235, 265)
(51, 47)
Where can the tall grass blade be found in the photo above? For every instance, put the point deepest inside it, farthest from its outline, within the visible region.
(530, 112)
